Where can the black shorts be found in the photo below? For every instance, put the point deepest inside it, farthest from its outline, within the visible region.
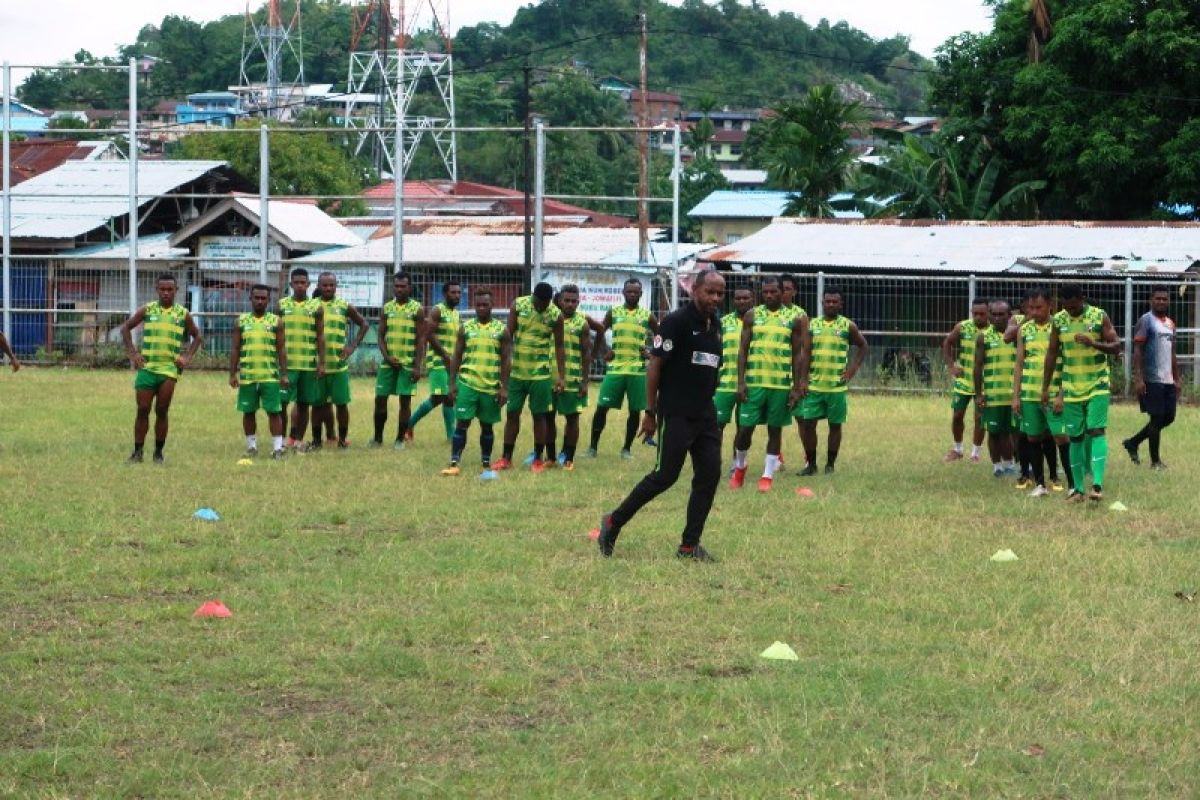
(1159, 400)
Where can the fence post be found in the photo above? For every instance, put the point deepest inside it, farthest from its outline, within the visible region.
(820, 294)
(264, 201)
(7, 222)
(1128, 332)
(539, 206)
(972, 289)
(676, 177)
(132, 238)
(1195, 336)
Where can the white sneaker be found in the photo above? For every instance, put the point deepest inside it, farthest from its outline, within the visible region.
(1039, 491)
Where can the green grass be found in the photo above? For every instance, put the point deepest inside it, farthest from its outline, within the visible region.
(400, 634)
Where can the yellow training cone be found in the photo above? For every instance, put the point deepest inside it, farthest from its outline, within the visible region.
(779, 652)
(1004, 555)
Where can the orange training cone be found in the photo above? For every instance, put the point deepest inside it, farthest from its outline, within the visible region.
(804, 491)
(213, 608)
(594, 534)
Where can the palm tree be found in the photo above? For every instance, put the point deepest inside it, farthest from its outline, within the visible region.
(1040, 31)
(808, 149)
(935, 178)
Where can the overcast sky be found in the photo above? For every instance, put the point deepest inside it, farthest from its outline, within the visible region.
(48, 31)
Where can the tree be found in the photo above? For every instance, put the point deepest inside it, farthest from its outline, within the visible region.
(937, 178)
(1091, 95)
(808, 150)
(310, 164)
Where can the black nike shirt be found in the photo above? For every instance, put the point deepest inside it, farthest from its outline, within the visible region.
(690, 346)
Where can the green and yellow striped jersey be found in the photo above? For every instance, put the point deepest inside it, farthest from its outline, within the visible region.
(336, 329)
(1085, 369)
(480, 367)
(999, 363)
(401, 334)
(300, 332)
(731, 342)
(259, 360)
(533, 339)
(1036, 339)
(573, 327)
(163, 333)
(968, 333)
(769, 361)
(446, 334)
(830, 353)
(629, 329)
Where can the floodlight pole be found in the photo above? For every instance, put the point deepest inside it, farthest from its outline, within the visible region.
(539, 206)
(676, 179)
(398, 173)
(7, 188)
(132, 237)
(264, 201)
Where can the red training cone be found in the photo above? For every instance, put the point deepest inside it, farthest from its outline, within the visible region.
(804, 491)
(594, 534)
(213, 608)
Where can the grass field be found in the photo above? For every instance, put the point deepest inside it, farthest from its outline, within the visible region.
(399, 634)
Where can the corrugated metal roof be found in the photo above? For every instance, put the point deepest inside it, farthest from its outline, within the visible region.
(80, 196)
(574, 246)
(963, 247)
(295, 225)
(156, 246)
(753, 204)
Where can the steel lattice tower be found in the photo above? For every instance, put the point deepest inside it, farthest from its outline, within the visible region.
(270, 42)
(383, 81)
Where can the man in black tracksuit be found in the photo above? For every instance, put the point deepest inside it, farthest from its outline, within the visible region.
(680, 383)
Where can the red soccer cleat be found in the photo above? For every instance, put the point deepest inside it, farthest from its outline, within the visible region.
(501, 463)
(738, 479)
(538, 466)
(764, 484)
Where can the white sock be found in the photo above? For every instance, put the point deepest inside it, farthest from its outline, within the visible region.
(976, 450)
(1010, 464)
(958, 448)
(771, 465)
(739, 458)
(277, 441)
(252, 441)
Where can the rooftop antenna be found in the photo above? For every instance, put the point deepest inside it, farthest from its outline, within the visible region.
(270, 42)
(388, 68)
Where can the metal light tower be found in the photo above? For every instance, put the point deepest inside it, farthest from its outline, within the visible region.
(269, 42)
(383, 81)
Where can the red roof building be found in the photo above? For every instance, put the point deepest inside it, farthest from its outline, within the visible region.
(467, 198)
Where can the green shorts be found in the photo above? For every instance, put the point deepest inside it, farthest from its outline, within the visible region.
(473, 404)
(959, 402)
(998, 419)
(540, 392)
(1090, 415)
(831, 406)
(439, 382)
(570, 403)
(725, 403)
(616, 388)
(251, 395)
(335, 388)
(1033, 420)
(147, 381)
(1056, 423)
(765, 407)
(392, 380)
(303, 387)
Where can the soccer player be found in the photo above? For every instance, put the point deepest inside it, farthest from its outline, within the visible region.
(534, 323)
(304, 330)
(6, 350)
(438, 341)
(681, 382)
(958, 349)
(725, 399)
(1085, 337)
(995, 362)
(166, 326)
(336, 383)
(1033, 419)
(825, 371)
(770, 335)
(577, 355)
(401, 322)
(257, 368)
(1155, 375)
(626, 375)
(479, 371)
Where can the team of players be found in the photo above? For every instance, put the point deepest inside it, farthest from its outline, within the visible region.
(1039, 380)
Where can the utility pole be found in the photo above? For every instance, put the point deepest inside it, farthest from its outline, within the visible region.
(528, 170)
(643, 149)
